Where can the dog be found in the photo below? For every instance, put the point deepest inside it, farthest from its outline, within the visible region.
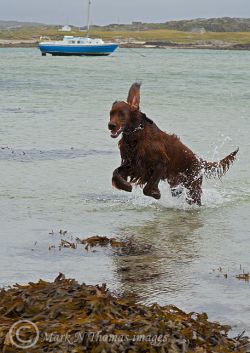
(149, 155)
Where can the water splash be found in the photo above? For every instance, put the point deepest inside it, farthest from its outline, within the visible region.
(214, 195)
(218, 147)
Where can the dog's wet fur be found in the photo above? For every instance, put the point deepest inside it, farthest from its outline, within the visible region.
(149, 155)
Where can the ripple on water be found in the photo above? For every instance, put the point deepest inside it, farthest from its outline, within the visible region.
(7, 153)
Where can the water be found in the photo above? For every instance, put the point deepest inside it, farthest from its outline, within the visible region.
(56, 174)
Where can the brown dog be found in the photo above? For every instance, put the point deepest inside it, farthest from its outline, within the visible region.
(149, 155)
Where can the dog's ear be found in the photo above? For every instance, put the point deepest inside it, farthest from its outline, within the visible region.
(134, 96)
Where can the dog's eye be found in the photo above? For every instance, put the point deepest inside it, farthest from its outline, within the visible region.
(121, 114)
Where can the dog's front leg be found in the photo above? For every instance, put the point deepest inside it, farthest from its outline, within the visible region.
(151, 188)
(119, 179)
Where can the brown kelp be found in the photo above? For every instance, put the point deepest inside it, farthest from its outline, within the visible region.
(72, 317)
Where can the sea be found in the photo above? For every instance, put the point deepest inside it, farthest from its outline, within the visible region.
(56, 164)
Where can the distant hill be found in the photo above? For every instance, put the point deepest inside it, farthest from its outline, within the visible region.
(17, 24)
(200, 25)
(225, 24)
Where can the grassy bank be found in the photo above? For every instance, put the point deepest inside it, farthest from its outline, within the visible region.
(34, 33)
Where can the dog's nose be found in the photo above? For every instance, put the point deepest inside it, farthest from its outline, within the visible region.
(111, 126)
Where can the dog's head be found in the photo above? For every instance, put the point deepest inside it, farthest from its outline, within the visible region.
(122, 113)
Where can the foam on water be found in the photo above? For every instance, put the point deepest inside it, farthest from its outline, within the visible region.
(212, 197)
(216, 194)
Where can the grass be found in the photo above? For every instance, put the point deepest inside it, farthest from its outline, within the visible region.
(178, 36)
(149, 35)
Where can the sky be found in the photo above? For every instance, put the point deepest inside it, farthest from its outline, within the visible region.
(119, 11)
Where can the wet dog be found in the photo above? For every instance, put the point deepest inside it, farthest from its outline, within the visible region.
(149, 155)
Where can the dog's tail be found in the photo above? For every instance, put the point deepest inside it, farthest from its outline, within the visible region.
(218, 169)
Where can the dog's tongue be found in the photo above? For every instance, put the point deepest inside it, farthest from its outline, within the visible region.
(115, 134)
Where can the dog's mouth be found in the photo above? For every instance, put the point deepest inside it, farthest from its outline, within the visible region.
(115, 133)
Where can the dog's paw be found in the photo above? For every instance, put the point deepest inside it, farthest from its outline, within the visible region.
(155, 193)
(119, 183)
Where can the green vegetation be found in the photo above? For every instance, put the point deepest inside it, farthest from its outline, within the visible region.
(34, 33)
(176, 36)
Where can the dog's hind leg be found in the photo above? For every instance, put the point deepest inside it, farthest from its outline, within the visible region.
(119, 179)
(194, 192)
(151, 188)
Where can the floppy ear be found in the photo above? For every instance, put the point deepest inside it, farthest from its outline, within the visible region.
(134, 96)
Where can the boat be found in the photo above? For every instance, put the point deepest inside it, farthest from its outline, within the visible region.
(78, 46)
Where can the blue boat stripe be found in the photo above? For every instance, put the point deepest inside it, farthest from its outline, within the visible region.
(101, 49)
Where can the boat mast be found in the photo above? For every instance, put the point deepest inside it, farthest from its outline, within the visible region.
(88, 26)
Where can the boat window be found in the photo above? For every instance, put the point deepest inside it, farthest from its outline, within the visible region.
(78, 42)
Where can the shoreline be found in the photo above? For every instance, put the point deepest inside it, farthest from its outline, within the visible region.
(5, 43)
(174, 45)
(71, 316)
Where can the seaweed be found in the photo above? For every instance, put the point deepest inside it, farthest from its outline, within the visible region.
(73, 317)
(120, 247)
(243, 276)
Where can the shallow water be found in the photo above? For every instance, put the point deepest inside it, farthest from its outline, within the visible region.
(57, 159)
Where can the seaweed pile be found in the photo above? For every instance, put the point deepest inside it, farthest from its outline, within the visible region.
(126, 246)
(73, 317)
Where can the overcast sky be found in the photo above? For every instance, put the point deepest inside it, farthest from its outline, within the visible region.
(122, 11)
